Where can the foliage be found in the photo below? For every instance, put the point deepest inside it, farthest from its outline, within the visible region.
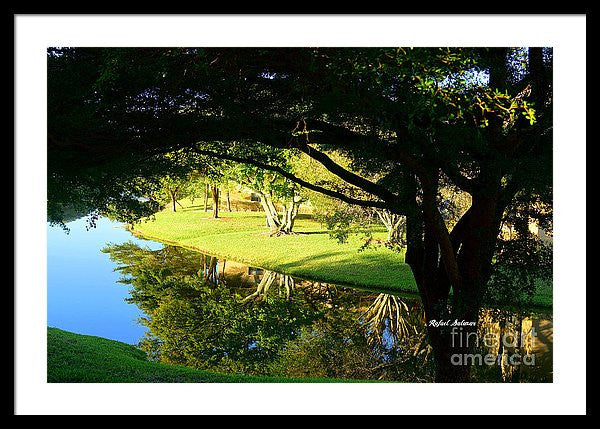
(75, 358)
(342, 345)
(196, 323)
(519, 269)
(332, 347)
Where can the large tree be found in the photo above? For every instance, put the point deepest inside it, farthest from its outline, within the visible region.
(480, 119)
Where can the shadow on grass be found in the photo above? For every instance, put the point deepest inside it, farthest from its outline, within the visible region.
(319, 256)
(393, 275)
(309, 232)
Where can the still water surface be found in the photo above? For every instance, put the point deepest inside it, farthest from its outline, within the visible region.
(187, 308)
(83, 293)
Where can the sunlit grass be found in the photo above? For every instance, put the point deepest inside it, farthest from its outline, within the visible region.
(311, 253)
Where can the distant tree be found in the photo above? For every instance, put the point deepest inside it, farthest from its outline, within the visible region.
(196, 186)
(174, 189)
(273, 190)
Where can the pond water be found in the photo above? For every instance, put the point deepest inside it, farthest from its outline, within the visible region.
(83, 293)
(187, 308)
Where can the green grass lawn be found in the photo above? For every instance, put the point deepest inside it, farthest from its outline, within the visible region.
(75, 358)
(310, 254)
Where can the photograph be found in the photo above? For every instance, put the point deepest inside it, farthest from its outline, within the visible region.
(290, 214)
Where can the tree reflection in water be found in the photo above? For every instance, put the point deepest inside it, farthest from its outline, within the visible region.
(518, 336)
(286, 286)
(390, 320)
(226, 317)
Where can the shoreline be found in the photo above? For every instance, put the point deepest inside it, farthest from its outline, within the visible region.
(376, 288)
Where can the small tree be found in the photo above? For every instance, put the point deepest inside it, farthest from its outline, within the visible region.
(273, 190)
(175, 188)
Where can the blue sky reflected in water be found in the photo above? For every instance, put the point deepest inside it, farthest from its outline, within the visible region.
(83, 293)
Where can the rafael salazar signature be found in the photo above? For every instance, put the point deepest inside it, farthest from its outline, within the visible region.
(455, 322)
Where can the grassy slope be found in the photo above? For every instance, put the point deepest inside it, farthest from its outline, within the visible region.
(312, 254)
(75, 358)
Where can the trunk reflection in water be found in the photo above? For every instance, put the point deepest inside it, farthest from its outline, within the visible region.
(209, 269)
(285, 286)
(520, 343)
(389, 319)
(205, 312)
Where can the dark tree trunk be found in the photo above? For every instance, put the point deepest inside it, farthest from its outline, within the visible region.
(451, 353)
(228, 201)
(173, 200)
(215, 197)
(468, 252)
(206, 197)
(453, 346)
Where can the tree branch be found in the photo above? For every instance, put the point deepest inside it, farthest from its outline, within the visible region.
(346, 175)
(434, 222)
(290, 176)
